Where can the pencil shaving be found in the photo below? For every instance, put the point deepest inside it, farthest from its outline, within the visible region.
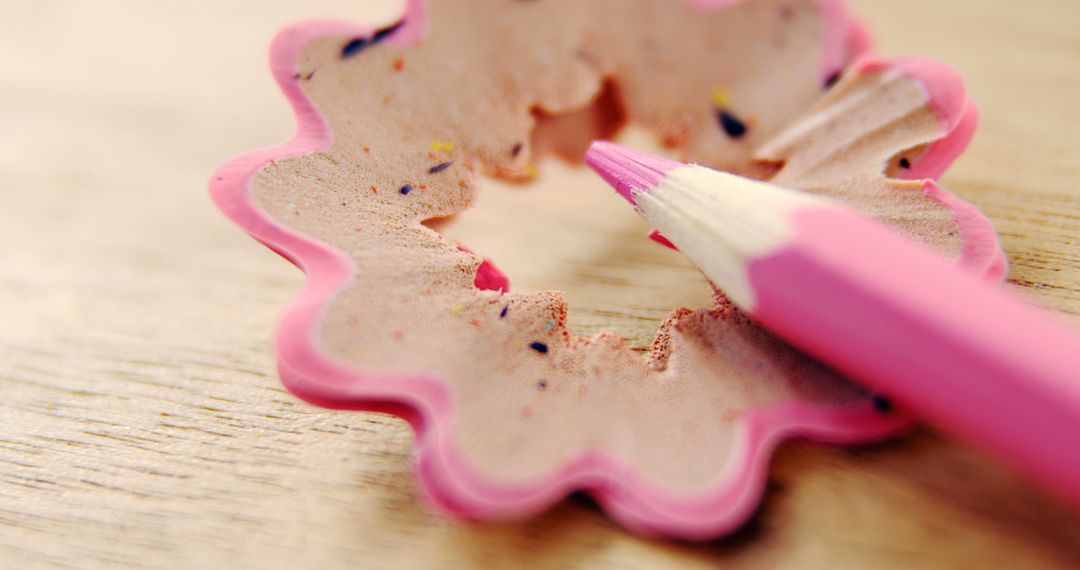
(513, 413)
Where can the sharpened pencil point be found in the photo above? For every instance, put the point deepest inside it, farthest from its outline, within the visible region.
(628, 170)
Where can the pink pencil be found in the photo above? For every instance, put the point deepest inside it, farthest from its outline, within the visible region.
(875, 306)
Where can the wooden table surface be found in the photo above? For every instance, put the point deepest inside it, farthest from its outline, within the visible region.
(141, 420)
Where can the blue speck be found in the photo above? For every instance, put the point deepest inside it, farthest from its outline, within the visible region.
(356, 45)
(353, 47)
(440, 167)
(731, 124)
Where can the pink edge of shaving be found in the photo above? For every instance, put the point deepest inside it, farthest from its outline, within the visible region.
(944, 85)
(940, 154)
(425, 400)
(860, 42)
(959, 117)
(981, 253)
(450, 483)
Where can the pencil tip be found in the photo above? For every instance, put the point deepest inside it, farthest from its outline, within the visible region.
(628, 170)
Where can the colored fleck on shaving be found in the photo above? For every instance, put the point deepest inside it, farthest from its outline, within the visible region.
(398, 335)
(309, 75)
(832, 79)
(423, 186)
(476, 322)
(881, 403)
(383, 33)
(542, 384)
(374, 190)
(731, 124)
(502, 313)
(531, 171)
(720, 98)
(356, 45)
(440, 167)
(516, 150)
(539, 347)
(905, 163)
(353, 47)
(406, 189)
(456, 309)
(399, 64)
(442, 146)
(549, 324)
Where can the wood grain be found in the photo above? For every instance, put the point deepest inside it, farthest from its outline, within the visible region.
(142, 424)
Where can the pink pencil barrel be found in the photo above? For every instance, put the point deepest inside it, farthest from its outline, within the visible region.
(872, 304)
(964, 354)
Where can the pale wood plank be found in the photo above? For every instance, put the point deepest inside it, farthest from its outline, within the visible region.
(142, 423)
